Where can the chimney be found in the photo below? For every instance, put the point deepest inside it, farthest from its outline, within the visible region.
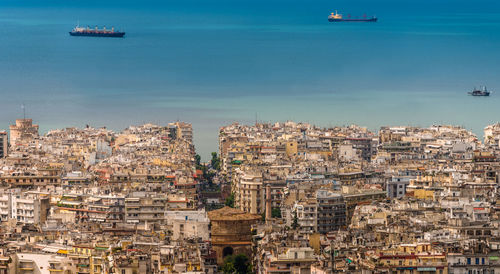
(268, 203)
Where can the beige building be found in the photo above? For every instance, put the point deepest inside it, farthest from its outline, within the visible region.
(23, 128)
(184, 131)
(145, 208)
(252, 194)
(40, 263)
(47, 176)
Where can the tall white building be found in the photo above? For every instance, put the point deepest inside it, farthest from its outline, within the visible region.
(307, 215)
(28, 208)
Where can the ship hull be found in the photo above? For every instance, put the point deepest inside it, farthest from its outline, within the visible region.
(353, 20)
(478, 95)
(96, 34)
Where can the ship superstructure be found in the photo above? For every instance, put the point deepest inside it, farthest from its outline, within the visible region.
(337, 17)
(480, 92)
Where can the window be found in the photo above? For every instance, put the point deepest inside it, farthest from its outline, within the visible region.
(477, 260)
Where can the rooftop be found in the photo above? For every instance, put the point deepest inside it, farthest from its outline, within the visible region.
(231, 214)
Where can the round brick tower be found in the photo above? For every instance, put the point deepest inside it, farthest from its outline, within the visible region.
(231, 232)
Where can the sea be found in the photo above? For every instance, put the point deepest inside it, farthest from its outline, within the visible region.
(215, 62)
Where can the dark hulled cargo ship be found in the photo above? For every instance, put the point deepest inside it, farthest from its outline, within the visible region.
(336, 17)
(96, 32)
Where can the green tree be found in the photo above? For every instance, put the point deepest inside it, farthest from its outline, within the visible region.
(210, 177)
(230, 200)
(228, 267)
(276, 213)
(215, 161)
(237, 264)
(295, 222)
(197, 159)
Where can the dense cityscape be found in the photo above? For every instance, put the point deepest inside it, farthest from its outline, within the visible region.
(276, 198)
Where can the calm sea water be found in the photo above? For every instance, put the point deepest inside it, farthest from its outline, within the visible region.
(214, 62)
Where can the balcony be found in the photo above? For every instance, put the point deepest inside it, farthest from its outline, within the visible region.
(55, 267)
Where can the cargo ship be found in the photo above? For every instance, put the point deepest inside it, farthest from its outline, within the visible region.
(479, 92)
(336, 17)
(96, 32)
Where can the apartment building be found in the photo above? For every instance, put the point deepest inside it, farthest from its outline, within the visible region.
(331, 211)
(306, 213)
(28, 208)
(143, 207)
(251, 193)
(188, 224)
(4, 144)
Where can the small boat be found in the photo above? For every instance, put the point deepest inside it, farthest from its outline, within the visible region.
(480, 92)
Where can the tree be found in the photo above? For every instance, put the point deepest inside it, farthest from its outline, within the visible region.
(237, 264)
(215, 161)
(197, 159)
(210, 177)
(276, 213)
(295, 222)
(228, 267)
(230, 200)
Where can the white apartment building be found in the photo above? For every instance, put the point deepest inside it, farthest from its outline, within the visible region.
(28, 208)
(307, 215)
(188, 224)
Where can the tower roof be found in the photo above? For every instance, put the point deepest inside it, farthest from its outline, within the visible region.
(231, 214)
